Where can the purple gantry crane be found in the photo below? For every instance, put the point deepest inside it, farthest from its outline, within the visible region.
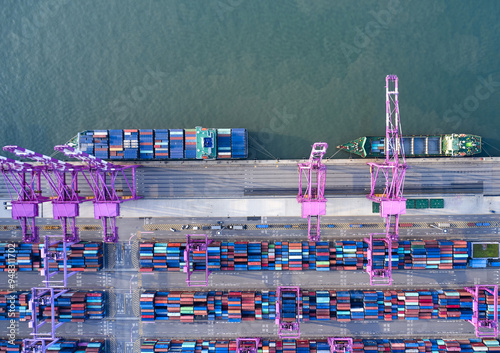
(392, 203)
(62, 179)
(46, 296)
(196, 242)
(485, 327)
(25, 180)
(41, 341)
(247, 345)
(340, 344)
(313, 198)
(380, 275)
(288, 327)
(106, 200)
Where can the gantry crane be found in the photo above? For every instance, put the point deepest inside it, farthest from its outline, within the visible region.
(196, 243)
(62, 179)
(391, 200)
(106, 200)
(25, 180)
(340, 344)
(313, 198)
(485, 326)
(288, 311)
(247, 345)
(40, 342)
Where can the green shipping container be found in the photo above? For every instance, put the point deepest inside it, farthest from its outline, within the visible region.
(410, 203)
(421, 203)
(437, 203)
(375, 207)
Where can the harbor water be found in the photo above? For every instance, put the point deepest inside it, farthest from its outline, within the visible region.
(292, 72)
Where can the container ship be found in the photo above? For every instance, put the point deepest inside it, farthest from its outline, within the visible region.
(451, 145)
(163, 144)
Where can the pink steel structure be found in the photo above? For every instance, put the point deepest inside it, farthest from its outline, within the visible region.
(106, 201)
(288, 329)
(196, 242)
(392, 202)
(379, 276)
(39, 341)
(25, 180)
(313, 199)
(62, 178)
(485, 327)
(49, 256)
(247, 345)
(340, 344)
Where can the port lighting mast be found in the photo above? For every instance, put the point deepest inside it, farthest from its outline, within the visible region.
(313, 198)
(485, 327)
(106, 200)
(196, 244)
(247, 345)
(340, 344)
(25, 180)
(288, 312)
(392, 203)
(62, 178)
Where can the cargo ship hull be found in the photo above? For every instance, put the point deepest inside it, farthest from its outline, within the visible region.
(164, 144)
(450, 145)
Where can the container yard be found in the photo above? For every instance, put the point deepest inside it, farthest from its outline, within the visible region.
(165, 240)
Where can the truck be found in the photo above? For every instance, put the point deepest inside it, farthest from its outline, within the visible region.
(444, 225)
(216, 227)
(356, 225)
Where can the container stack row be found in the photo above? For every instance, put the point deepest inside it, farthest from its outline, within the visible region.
(146, 144)
(72, 306)
(176, 143)
(116, 144)
(319, 256)
(62, 346)
(83, 256)
(87, 142)
(131, 144)
(239, 147)
(190, 143)
(343, 306)
(223, 143)
(161, 146)
(233, 306)
(321, 346)
(415, 204)
(101, 144)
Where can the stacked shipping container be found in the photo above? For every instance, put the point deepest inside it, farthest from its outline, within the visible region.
(190, 144)
(71, 306)
(161, 146)
(101, 144)
(176, 143)
(131, 144)
(321, 346)
(62, 346)
(343, 306)
(224, 143)
(83, 256)
(320, 256)
(239, 143)
(147, 144)
(116, 144)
